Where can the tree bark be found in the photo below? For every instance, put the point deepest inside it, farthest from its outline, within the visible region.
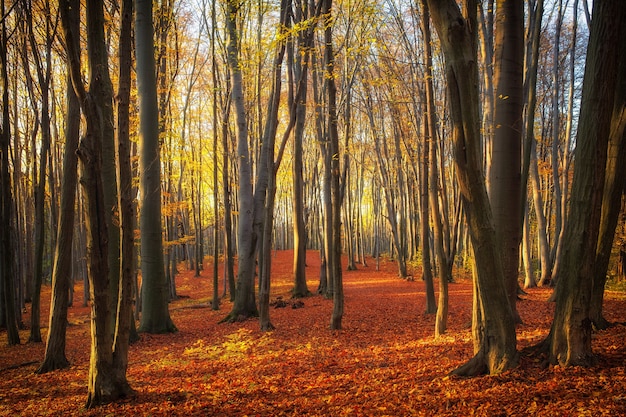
(7, 249)
(613, 190)
(427, 165)
(505, 187)
(497, 347)
(301, 67)
(433, 189)
(569, 340)
(104, 383)
(155, 317)
(55, 343)
(335, 190)
(244, 305)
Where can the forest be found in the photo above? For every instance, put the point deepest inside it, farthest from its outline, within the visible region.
(166, 156)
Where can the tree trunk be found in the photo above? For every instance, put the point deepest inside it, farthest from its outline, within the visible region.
(569, 340)
(301, 66)
(529, 274)
(43, 71)
(613, 190)
(497, 347)
(427, 164)
(155, 317)
(335, 190)
(505, 188)
(55, 344)
(104, 384)
(558, 218)
(244, 305)
(7, 249)
(125, 331)
(433, 181)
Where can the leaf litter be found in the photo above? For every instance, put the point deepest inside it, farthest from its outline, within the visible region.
(385, 361)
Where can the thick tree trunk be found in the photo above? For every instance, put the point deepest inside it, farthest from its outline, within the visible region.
(613, 190)
(155, 317)
(497, 347)
(569, 340)
(505, 189)
(106, 382)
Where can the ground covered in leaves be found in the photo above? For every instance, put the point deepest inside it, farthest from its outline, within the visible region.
(385, 361)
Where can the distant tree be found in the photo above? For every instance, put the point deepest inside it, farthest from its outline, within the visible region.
(155, 317)
(494, 327)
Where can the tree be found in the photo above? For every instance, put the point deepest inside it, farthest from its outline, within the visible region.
(494, 330)
(427, 152)
(44, 74)
(127, 331)
(244, 305)
(569, 340)
(505, 185)
(106, 382)
(155, 316)
(7, 266)
(335, 189)
(300, 72)
(613, 191)
(433, 189)
(55, 343)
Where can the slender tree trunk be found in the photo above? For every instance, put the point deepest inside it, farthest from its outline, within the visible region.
(433, 189)
(55, 343)
(529, 274)
(335, 190)
(7, 250)
(305, 38)
(427, 165)
(556, 129)
(215, 305)
(44, 77)
(125, 332)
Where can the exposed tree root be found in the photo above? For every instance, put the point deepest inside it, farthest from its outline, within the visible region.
(52, 364)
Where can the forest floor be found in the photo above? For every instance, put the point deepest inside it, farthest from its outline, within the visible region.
(385, 361)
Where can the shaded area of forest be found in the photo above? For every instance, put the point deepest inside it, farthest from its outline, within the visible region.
(384, 362)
